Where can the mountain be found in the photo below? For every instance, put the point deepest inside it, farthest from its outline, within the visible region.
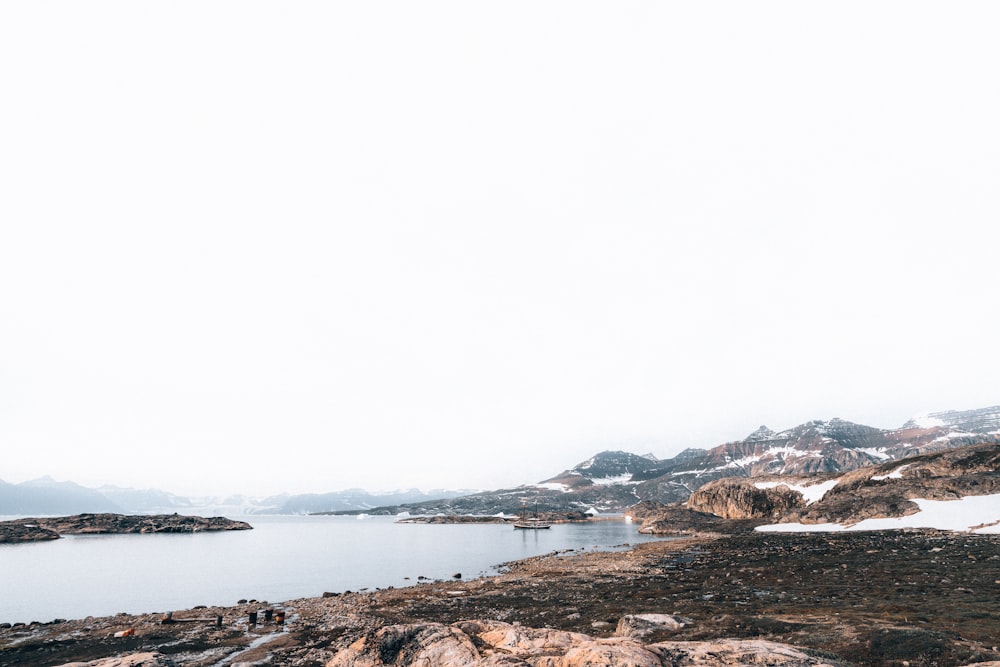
(349, 500)
(144, 501)
(609, 481)
(613, 480)
(47, 496)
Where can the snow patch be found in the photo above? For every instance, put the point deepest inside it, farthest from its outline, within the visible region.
(895, 474)
(811, 493)
(791, 452)
(878, 453)
(978, 514)
(618, 479)
(553, 486)
(926, 421)
(739, 463)
(953, 435)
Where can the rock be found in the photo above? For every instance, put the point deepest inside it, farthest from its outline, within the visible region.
(734, 652)
(430, 644)
(492, 644)
(610, 653)
(12, 532)
(133, 660)
(738, 498)
(639, 626)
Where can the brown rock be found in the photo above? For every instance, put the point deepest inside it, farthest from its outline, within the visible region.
(491, 644)
(738, 498)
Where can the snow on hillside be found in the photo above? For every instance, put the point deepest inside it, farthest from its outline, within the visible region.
(552, 486)
(618, 479)
(875, 452)
(811, 493)
(927, 421)
(978, 514)
(895, 474)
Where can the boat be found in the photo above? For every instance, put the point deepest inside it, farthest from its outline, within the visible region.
(533, 522)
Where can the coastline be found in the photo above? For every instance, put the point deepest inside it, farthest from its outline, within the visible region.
(862, 598)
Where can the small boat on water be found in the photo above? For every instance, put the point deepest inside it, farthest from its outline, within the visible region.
(533, 522)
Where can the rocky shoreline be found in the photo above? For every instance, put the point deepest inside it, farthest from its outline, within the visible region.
(878, 598)
(50, 528)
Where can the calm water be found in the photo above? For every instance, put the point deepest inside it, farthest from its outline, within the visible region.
(281, 559)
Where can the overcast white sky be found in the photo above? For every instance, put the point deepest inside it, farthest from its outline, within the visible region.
(306, 246)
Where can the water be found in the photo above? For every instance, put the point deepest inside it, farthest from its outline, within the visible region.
(281, 559)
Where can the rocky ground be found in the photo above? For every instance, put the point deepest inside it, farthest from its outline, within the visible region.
(879, 598)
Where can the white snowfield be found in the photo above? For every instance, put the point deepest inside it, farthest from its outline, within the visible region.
(553, 486)
(977, 514)
(810, 493)
(605, 481)
(926, 421)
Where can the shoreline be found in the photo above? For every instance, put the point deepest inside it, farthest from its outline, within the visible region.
(861, 598)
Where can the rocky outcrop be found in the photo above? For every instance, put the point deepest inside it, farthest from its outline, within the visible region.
(740, 499)
(675, 520)
(492, 644)
(887, 490)
(85, 524)
(11, 533)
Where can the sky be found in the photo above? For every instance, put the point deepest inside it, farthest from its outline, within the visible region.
(258, 246)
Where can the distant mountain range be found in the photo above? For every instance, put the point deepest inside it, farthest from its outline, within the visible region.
(608, 482)
(45, 496)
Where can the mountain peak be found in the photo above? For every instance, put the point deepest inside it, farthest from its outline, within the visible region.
(762, 433)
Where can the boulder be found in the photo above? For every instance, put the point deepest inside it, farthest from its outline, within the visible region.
(639, 626)
(426, 645)
(739, 498)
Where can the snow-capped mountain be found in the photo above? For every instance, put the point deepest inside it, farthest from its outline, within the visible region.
(613, 480)
(817, 447)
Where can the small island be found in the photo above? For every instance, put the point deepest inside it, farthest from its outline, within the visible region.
(51, 528)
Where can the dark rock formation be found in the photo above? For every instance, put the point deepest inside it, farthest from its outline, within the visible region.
(675, 520)
(15, 532)
(737, 498)
(83, 524)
